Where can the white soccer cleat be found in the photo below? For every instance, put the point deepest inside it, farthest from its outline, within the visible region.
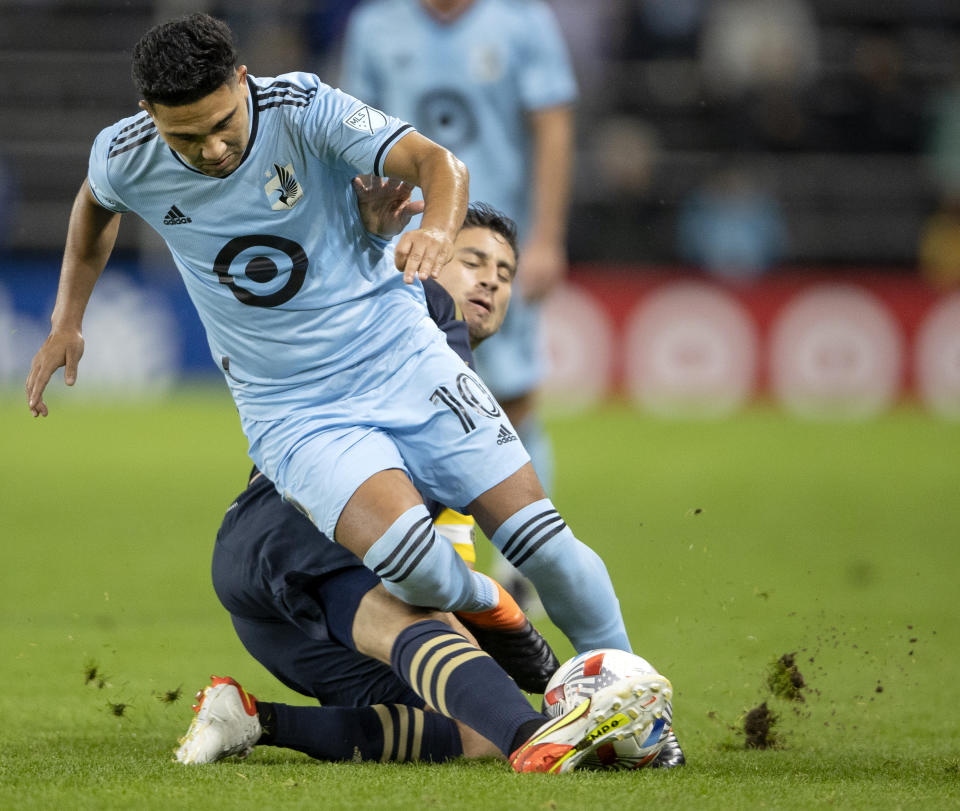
(226, 724)
(635, 707)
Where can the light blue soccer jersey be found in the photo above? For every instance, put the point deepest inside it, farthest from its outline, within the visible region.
(290, 287)
(466, 84)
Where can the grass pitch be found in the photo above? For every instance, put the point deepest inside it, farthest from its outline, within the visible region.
(731, 544)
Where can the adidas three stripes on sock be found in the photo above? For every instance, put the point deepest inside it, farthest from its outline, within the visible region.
(382, 732)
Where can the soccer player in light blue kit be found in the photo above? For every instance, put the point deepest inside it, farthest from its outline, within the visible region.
(348, 394)
(491, 81)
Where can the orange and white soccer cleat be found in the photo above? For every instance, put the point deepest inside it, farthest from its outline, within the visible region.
(225, 724)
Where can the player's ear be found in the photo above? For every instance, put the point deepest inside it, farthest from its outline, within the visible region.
(143, 104)
(242, 76)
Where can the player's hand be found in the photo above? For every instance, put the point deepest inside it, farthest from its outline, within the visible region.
(421, 253)
(62, 348)
(384, 204)
(543, 265)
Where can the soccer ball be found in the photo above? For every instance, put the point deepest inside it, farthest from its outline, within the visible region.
(579, 678)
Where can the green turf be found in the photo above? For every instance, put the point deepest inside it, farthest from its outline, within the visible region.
(730, 543)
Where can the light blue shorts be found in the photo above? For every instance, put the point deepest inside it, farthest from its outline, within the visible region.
(429, 415)
(511, 362)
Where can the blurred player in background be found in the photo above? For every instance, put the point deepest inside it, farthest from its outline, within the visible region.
(490, 80)
(350, 398)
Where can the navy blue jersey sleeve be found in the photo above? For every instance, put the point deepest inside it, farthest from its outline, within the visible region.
(443, 309)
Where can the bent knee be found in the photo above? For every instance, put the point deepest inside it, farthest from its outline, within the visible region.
(381, 617)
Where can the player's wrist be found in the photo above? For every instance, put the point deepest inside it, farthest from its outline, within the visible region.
(71, 328)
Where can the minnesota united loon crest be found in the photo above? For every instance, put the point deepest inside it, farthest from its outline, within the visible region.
(285, 182)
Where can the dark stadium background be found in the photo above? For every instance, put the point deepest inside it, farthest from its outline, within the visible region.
(762, 147)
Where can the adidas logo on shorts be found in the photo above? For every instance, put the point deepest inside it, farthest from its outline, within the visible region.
(505, 436)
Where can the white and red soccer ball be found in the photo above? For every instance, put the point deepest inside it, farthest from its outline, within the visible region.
(579, 678)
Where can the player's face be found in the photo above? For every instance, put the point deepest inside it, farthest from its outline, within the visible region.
(210, 134)
(480, 279)
(447, 7)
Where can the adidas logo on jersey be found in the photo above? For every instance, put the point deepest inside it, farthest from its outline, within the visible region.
(176, 217)
(505, 436)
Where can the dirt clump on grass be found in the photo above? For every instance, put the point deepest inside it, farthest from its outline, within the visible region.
(784, 681)
(170, 696)
(118, 709)
(784, 678)
(758, 727)
(93, 675)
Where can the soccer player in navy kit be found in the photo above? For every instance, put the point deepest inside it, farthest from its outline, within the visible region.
(351, 401)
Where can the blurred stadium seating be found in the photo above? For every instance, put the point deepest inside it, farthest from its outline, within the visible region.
(832, 120)
(839, 118)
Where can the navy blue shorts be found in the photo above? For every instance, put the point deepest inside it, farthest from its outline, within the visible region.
(292, 595)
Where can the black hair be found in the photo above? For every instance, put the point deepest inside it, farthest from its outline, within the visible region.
(181, 61)
(483, 215)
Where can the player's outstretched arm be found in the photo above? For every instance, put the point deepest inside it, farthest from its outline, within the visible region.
(445, 183)
(91, 235)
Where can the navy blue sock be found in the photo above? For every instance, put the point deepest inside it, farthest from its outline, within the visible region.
(461, 681)
(383, 732)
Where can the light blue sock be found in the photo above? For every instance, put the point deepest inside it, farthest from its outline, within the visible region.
(424, 570)
(569, 576)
